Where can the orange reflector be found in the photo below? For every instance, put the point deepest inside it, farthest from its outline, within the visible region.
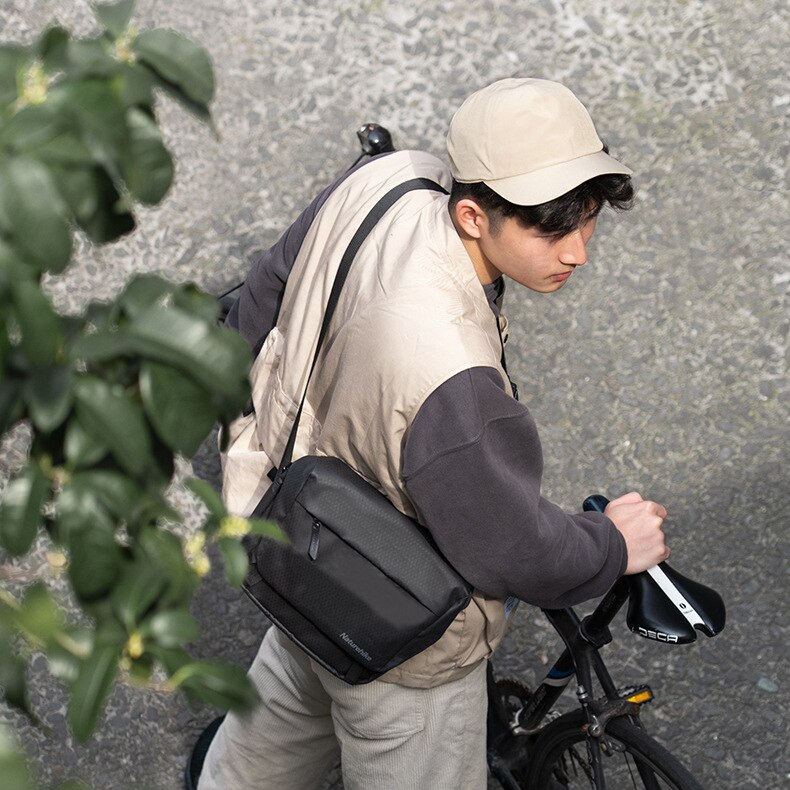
(645, 695)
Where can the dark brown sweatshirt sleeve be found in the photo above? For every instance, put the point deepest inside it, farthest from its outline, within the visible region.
(472, 466)
(254, 314)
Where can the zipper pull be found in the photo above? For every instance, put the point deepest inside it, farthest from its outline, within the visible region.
(312, 551)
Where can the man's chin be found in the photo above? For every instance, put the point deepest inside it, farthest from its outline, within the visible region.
(547, 288)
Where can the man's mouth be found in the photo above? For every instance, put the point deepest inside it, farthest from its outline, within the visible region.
(558, 278)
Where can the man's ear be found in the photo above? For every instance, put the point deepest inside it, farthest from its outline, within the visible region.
(469, 218)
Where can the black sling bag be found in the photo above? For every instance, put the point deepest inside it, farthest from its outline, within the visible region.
(360, 586)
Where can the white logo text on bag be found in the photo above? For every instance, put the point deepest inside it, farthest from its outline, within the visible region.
(349, 641)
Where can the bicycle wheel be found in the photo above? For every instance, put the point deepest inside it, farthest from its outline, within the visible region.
(631, 758)
(507, 753)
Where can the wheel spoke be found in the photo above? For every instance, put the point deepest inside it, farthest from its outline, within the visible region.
(629, 758)
(628, 764)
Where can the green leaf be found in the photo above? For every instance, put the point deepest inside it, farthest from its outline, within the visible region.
(90, 58)
(210, 498)
(13, 767)
(123, 498)
(40, 326)
(180, 410)
(81, 189)
(11, 270)
(11, 402)
(217, 359)
(12, 671)
(150, 509)
(137, 86)
(169, 629)
(64, 665)
(13, 689)
(78, 509)
(49, 396)
(5, 341)
(142, 292)
(91, 688)
(161, 473)
(192, 300)
(32, 214)
(148, 171)
(97, 316)
(63, 147)
(172, 659)
(42, 132)
(235, 559)
(103, 346)
(118, 493)
(52, 48)
(268, 529)
(141, 669)
(12, 58)
(20, 509)
(96, 111)
(110, 415)
(200, 111)
(135, 593)
(94, 561)
(40, 615)
(222, 685)
(80, 446)
(179, 62)
(115, 16)
(163, 550)
(94, 201)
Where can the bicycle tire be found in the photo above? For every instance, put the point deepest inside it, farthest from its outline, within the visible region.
(556, 760)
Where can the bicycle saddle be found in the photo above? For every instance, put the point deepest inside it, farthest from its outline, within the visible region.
(666, 606)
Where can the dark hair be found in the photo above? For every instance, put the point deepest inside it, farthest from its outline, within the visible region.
(557, 217)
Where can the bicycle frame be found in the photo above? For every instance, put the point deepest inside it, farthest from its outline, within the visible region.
(581, 658)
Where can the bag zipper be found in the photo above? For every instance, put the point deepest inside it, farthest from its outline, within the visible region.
(312, 551)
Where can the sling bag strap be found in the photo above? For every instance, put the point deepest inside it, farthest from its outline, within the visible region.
(375, 214)
(503, 362)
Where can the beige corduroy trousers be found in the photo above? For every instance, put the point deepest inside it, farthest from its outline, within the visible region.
(390, 737)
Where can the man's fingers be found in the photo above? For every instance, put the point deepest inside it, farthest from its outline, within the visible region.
(657, 510)
(625, 499)
(635, 499)
(640, 523)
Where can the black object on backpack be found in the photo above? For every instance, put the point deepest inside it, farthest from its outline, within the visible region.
(360, 587)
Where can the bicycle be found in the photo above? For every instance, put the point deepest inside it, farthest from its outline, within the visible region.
(603, 744)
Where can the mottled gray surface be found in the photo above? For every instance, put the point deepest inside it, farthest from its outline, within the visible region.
(660, 367)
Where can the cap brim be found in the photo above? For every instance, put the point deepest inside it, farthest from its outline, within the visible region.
(549, 183)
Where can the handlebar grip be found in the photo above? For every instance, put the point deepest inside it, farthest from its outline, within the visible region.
(596, 502)
(375, 139)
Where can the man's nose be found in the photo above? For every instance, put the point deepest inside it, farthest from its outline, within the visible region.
(573, 250)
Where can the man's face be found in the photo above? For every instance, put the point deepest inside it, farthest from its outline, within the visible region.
(540, 262)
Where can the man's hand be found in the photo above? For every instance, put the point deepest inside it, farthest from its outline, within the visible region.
(639, 522)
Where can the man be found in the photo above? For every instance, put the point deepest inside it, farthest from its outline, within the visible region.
(411, 391)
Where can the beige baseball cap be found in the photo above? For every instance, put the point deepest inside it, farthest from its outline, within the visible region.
(529, 140)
